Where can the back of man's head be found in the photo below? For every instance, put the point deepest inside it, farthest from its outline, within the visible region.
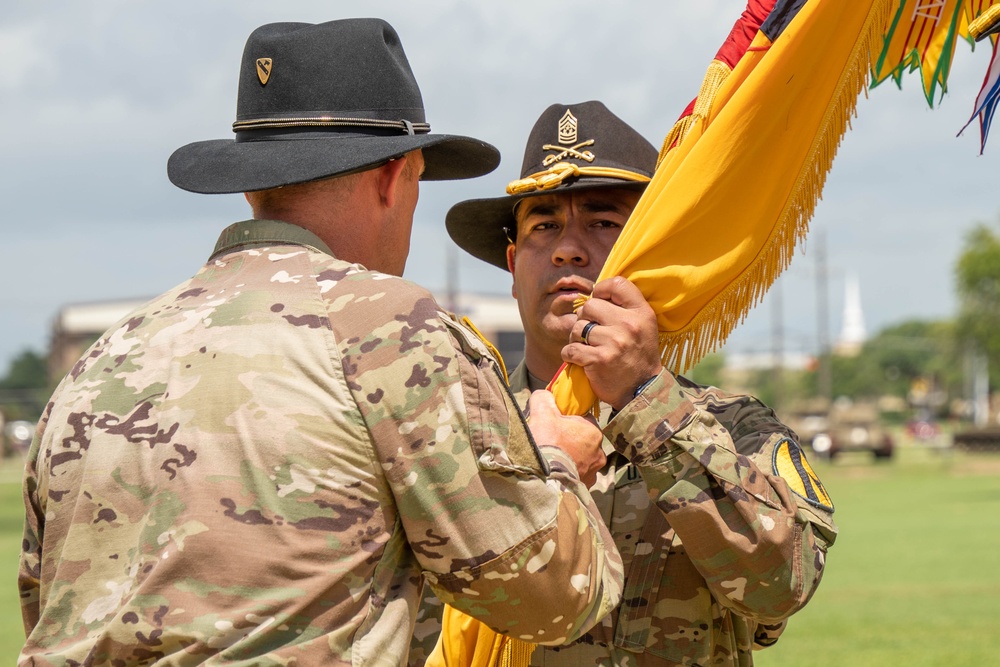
(324, 100)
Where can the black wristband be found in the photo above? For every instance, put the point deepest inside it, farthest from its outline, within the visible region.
(644, 385)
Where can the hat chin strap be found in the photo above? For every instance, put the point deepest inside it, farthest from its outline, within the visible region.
(560, 171)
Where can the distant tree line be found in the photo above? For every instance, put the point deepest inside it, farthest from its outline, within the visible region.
(927, 363)
(25, 388)
(977, 279)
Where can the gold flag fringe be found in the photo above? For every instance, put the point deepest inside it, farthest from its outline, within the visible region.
(515, 653)
(683, 348)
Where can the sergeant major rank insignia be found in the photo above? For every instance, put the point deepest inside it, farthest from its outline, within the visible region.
(263, 70)
(568, 147)
(567, 128)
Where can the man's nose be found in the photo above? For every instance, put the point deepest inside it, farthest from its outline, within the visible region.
(570, 249)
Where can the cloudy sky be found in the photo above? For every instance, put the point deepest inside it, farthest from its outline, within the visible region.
(98, 93)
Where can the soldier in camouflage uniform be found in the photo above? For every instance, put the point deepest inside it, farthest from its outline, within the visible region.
(262, 465)
(722, 526)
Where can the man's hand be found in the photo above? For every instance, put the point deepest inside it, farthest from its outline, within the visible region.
(577, 436)
(621, 351)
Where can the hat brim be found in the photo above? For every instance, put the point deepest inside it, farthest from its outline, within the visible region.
(477, 225)
(225, 166)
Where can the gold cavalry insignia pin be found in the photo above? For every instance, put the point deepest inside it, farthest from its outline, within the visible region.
(263, 70)
(791, 465)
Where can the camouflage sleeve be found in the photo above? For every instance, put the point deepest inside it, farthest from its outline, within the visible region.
(426, 630)
(756, 525)
(503, 530)
(30, 564)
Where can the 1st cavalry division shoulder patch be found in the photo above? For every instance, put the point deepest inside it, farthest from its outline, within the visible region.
(791, 465)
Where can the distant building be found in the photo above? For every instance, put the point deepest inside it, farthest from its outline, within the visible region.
(498, 319)
(77, 326)
(852, 334)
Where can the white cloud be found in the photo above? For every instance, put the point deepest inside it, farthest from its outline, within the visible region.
(24, 57)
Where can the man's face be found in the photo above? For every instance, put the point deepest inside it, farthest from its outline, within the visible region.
(561, 245)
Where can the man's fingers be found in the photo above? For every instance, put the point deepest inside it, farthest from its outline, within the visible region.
(579, 437)
(542, 402)
(614, 300)
(584, 331)
(619, 291)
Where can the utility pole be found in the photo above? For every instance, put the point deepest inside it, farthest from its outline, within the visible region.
(980, 388)
(451, 277)
(824, 374)
(778, 342)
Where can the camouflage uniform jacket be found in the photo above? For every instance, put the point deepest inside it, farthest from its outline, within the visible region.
(260, 466)
(732, 552)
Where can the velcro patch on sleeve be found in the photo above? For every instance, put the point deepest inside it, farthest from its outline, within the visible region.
(791, 465)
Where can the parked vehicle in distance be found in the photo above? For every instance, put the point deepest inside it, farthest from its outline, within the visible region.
(808, 418)
(843, 427)
(856, 427)
(922, 429)
(17, 436)
(978, 439)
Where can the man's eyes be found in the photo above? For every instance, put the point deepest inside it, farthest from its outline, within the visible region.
(549, 225)
(607, 224)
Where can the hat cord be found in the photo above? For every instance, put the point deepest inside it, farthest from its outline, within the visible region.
(560, 171)
(406, 126)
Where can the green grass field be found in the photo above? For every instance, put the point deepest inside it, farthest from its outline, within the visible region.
(914, 578)
(11, 521)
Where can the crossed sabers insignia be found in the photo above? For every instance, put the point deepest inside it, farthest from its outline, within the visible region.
(572, 151)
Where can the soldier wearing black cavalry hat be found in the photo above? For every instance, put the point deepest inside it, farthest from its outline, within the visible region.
(719, 550)
(262, 465)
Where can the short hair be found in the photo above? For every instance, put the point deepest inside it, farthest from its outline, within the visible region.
(267, 203)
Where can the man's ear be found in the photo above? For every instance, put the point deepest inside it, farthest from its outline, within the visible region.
(388, 177)
(511, 251)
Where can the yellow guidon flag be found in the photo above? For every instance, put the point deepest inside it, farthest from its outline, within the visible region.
(739, 177)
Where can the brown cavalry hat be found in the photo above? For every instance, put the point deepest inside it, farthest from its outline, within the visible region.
(571, 147)
(322, 100)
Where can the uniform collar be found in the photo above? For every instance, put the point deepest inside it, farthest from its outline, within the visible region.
(521, 379)
(267, 232)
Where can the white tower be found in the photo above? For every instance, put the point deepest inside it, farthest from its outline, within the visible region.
(852, 335)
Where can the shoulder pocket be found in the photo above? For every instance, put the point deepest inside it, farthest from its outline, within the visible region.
(500, 435)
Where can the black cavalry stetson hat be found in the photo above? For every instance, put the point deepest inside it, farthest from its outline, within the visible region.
(321, 100)
(571, 147)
